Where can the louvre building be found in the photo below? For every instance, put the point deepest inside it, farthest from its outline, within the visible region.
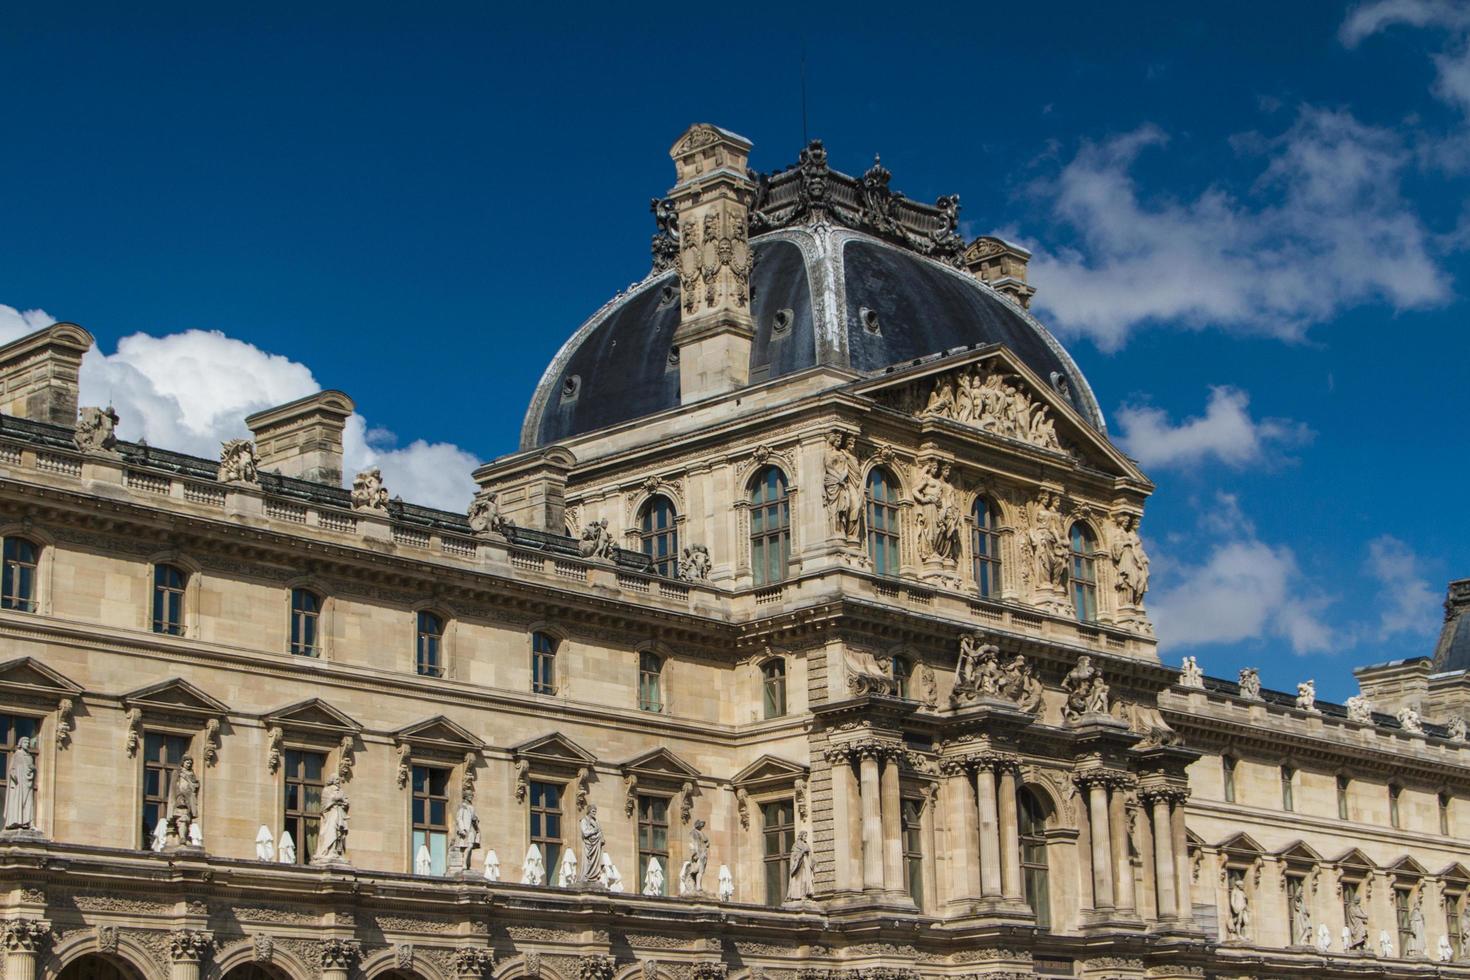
(803, 637)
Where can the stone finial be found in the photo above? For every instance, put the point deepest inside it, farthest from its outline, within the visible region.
(303, 439)
(1002, 264)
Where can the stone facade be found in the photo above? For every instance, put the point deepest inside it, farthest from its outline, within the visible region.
(907, 632)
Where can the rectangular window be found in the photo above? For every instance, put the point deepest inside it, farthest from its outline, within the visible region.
(543, 664)
(1394, 820)
(162, 755)
(913, 850)
(1294, 894)
(1444, 814)
(431, 817)
(1452, 921)
(303, 810)
(306, 610)
(653, 839)
(1343, 813)
(778, 833)
(1349, 895)
(168, 600)
(429, 654)
(773, 685)
(1401, 906)
(18, 577)
(1228, 764)
(650, 682)
(546, 824)
(1288, 801)
(13, 728)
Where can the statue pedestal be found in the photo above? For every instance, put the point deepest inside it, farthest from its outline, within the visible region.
(332, 864)
(941, 571)
(186, 850)
(19, 834)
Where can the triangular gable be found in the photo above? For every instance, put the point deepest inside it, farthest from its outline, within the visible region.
(1408, 866)
(1241, 843)
(1354, 858)
(439, 732)
(660, 762)
(314, 715)
(768, 769)
(176, 695)
(555, 747)
(1299, 852)
(26, 675)
(1455, 872)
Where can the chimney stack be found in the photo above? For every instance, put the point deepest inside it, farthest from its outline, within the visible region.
(712, 202)
(1002, 265)
(40, 374)
(303, 438)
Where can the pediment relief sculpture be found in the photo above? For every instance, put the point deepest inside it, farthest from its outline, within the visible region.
(980, 675)
(991, 402)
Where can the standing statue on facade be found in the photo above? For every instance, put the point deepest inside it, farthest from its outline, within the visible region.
(183, 802)
(938, 520)
(591, 847)
(1357, 925)
(1301, 921)
(331, 835)
(466, 832)
(1385, 944)
(1190, 674)
(691, 875)
(695, 564)
(1418, 943)
(842, 491)
(1239, 922)
(20, 786)
(1130, 561)
(1306, 696)
(96, 430)
(1046, 542)
(801, 884)
(596, 541)
(1250, 683)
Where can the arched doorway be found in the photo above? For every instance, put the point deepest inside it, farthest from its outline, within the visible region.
(96, 966)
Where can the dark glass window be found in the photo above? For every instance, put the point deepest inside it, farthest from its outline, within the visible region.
(1394, 816)
(168, 599)
(543, 664)
(650, 681)
(1084, 572)
(303, 811)
(773, 687)
(13, 728)
(546, 824)
(18, 588)
(306, 613)
(1288, 798)
(162, 755)
(653, 838)
(1228, 764)
(903, 672)
(985, 543)
(770, 527)
(659, 536)
(1032, 815)
(913, 850)
(883, 523)
(1402, 902)
(430, 657)
(431, 816)
(1343, 783)
(778, 834)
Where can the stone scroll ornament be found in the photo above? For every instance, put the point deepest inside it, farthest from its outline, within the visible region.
(990, 402)
(980, 675)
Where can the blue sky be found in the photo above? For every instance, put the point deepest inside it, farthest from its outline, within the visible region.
(1248, 220)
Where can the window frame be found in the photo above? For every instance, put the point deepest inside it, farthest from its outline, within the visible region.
(429, 815)
(550, 845)
(986, 566)
(651, 682)
(1031, 833)
(1344, 799)
(158, 803)
(648, 826)
(543, 661)
(660, 542)
(299, 617)
(776, 864)
(302, 822)
(1288, 789)
(911, 842)
(769, 500)
(884, 519)
(901, 669)
(1228, 766)
(773, 688)
(1395, 806)
(17, 571)
(1445, 799)
(166, 596)
(1082, 573)
(433, 664)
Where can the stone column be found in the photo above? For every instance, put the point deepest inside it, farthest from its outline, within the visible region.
(1123, 899)
(187, 949)
(1180, 841)
(844, 807)
(338, 955)
(989, 830)
(1102, 864)
(928, 818)
(892, 824)
(964, 880)
(872, 818)
(1010, 835)
(24, 939)
(1163, 857)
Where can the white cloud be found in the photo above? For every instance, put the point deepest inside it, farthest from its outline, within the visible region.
(1225, 432)
(1370, 18)
(1407, 602)
(435, 474)
(15, 324)
(1324, 227)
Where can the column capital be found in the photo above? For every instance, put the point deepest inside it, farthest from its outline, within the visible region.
(189, 945)
(837, 755)
(1107, 778)
(26, 935)
(992, 759)
(1166, 794)
(881, 749)
(340, 954)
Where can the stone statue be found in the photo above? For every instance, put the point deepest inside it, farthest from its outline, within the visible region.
(989, 403)
(1306, 696)
(865, 675)
(238, 462)
(691, 875)
(1098, 697)
(1324, 937)
(1410, 721)
(1238, 924)
(653, 878)
(1046, 542)
(1190, 674)
(183, 802)
(591, 847)
(466, 832)
(726, 883)
(1021, 684)
(368, 492)
(1357, 925)
(533, 869)
(938, 519)
(492, 866)
(800, 885)
(96, 430)
(286, 849)
(610, 874)
(596, 541)
(978, 673)
(265, 845)
(1360, 709)
(1385, 944)
(1130, 561)
(1301, 921)
(1445, 952)
(331, 835)
(484, 514)
(1455, 729)
(1250, 683)
(1417, 945)
(842, 492)
(1080, 684)
(695, 565)
(423, 862)
(566, 876)
(20, 786)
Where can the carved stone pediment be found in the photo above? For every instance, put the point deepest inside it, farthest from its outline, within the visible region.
(439, 734)
(27, 679)
(767, 772)
(313, 717)
(1355, 863)
(984, 396)
(660, 764)
(177, 698)
(554, 750)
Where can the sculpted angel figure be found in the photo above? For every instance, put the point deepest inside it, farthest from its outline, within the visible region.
(1131, 561)
(841, 493)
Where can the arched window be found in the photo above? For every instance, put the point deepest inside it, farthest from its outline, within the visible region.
(770, 527)
(773, 687)
(543, 663)
(1084, 572)
(985, 544)
(306, 614)
(650, 681)
(883, 522)
(18, 588)
(902, 671)
(429, 659)
(1032, 814)
(169, 582)
(660, 538)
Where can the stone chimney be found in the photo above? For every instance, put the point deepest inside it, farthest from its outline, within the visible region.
(530, 488)
(303, 438)
(1003, 265)
(39, 374)
(712, 203)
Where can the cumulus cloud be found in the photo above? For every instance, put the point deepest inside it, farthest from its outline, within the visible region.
(189, 391)
(1323, 227)
(1407, 602)
(1226, 432)
(1368, 19)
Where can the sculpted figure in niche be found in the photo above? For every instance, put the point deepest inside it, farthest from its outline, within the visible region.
(938, 518)
(183, 802)
(368, 492)
(1191, 674)
(1046, 541)
(96, 430)
(466, 832)
(695, 565)
(1301, 920)
(484, 514)
(237, 462)
(1239, 921)
(20, 787)
(596, 541)
(1085, 689)
(842, 492)
(691, 876)
(1417, 944)
(1131, 562)
(331, 840)
(1250, 683)
(1357, 925)
(591, 847)
(801, 884)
